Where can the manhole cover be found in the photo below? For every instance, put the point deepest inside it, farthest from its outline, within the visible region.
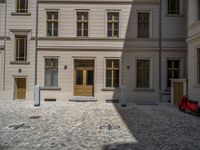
(34, 117)
(19, 126)
(109, 127)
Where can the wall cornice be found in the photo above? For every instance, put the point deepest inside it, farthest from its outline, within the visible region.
(102, 1)
(106, 39)
(101, 48)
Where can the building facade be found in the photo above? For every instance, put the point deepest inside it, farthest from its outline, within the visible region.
(90, 48)
(194, 49)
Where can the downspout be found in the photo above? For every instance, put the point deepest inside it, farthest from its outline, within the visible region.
(5, 38)
(160, 53)
(187, 80)
(36, 42)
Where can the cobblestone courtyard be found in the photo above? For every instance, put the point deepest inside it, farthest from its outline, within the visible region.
(85, 126)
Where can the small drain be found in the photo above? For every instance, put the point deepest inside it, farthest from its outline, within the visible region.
(34, 117)
(109, 127)
(19, 126)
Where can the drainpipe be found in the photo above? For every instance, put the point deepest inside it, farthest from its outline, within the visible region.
(5, 38)
(160, 53)
(36, 42)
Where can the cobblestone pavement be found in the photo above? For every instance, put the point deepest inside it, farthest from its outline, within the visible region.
(85, 126)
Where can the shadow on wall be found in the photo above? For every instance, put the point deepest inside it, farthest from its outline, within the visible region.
(137, 126)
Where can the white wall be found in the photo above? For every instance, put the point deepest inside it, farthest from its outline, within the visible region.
(193, 45)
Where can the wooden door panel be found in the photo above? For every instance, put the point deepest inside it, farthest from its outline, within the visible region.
(21, 88)
(178, 92)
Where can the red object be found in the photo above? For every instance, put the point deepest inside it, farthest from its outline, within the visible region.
(187, 105)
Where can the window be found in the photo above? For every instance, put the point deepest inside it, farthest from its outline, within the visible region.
(52, 23)
(112, 73)
(173, 6)
(82, 24)
(113, 24)
(198, 9)
(143, 24)
(143, 73)
(198, 61)
(20, 47)
(22, 6)
(51, 72)
(173, 71)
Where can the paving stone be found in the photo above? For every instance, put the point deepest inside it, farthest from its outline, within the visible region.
(70, 125)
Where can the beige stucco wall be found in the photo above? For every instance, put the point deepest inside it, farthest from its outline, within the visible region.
(193, 45)
(98, 46)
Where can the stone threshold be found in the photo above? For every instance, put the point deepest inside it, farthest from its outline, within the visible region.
(83, 99)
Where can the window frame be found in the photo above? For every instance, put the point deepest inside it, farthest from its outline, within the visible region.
(17, 10)
(141, 87)
(52, 11)
(179, 11)
(150, 23)
(151, 86)
(106, 22)
(139, 22)
(45, 72)
(105, 69)
(198, 10)
(198, 66)
(82, 22)
(172, 69)
(15, 48)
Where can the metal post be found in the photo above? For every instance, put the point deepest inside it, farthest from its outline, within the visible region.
(123, 96)
(160, 52)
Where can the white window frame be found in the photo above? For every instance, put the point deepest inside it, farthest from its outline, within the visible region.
(15, 7)
(75, 22)
(51, 57)
(180, 9)
(150, 22)
(198, 10)
(120, 72)
(14, 44)
(150, 73)
(105, 25)
(198, 63)
(52, 10)
(166, 68)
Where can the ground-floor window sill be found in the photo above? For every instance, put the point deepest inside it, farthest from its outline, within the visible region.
(110, 89)
(20, 14)
(20, 63)
(51, 88)
(197, 86)
(143, 90)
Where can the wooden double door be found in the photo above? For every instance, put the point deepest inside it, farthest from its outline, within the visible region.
(84, 78)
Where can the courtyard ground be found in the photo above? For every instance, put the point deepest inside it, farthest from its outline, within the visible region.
(96, 126)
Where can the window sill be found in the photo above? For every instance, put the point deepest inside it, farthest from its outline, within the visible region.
(110, 89)
(20, 63)
(143, 90)
(167, 90)
(143, 38)
(20, 14)
(196, 86)
(174, 15)
(51, 88)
